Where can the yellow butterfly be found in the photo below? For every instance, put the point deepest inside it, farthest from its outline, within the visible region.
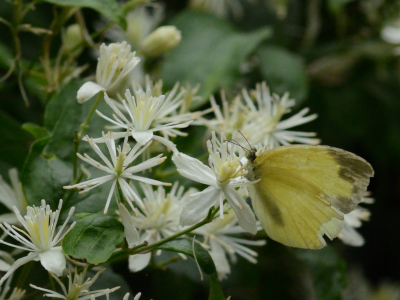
(304, 191)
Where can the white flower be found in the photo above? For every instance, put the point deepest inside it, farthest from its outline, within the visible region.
(39, 238)
(140, 23)
(159, 219)
(12, 196)
(352, 220)
(390, 33)
(148, 114)
(78, 287)
(119, 169)
(115, 63)
(264, 123)
(218, 238)
(261, 122)
(228, 120)
(223, 176)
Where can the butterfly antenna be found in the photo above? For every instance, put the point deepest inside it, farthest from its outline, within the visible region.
(245, 139)
(232, 141)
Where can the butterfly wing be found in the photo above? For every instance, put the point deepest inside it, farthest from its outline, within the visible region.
(304, 191)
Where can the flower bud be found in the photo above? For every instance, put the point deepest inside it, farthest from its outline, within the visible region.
(72, 38)
(160, 40)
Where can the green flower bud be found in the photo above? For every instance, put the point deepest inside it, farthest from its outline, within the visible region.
(160, 40)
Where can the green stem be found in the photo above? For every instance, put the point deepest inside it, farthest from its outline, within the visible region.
(173, 259)
(144, 247)
(85, 124)
(207, 220)
(78, 135)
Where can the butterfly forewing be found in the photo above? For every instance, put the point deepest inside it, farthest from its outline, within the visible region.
(304, 190)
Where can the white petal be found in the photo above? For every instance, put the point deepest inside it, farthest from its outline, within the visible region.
(245, 215)
(221, 263)
(88, 90)
(139, 261)
(131, 234)
(4, 267)
(19, 262)
(193, 169)
(53, 261)
(142, 137)
(9, 218)
(197, 209)
(351, 237)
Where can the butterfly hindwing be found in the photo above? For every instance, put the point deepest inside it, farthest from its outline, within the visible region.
(304, 190)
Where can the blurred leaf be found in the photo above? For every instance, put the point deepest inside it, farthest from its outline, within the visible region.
(210, 53)
(5, 56)
(284, 71)
(335, 6)
(14, 143)
(94, 238)
(108, 280)
(37, 131)
(108, 8)
(328, 271)
(282, 275)
(43, 176)
(185, 246)
(216, 292)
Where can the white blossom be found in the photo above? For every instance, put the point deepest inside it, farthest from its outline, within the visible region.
(159, 219)
(264, 123)
(40, 238)
(219, 239)
(119, 169)
(116, 61)
(222, 176)
(140, 23)
(261, 122)
(12, 196)
(78, 287)
(352, 220)
(144, 114)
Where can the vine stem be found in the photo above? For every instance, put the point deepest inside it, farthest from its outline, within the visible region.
(84, 127)
(85, 124)
(207, 220)
(144, 247)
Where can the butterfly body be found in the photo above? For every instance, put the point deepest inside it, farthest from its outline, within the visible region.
(304, 191)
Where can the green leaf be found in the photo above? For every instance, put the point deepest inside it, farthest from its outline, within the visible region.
(14, 143)
(328, 271)
(216, 292)
(43, 176)
(94, 238)
(210, 52)
(284, 71)
(108, 8)
(64, 115)
(37, 131)
(185, 246)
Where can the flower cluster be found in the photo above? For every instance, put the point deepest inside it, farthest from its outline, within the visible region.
(261, 122)
(144, 147)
